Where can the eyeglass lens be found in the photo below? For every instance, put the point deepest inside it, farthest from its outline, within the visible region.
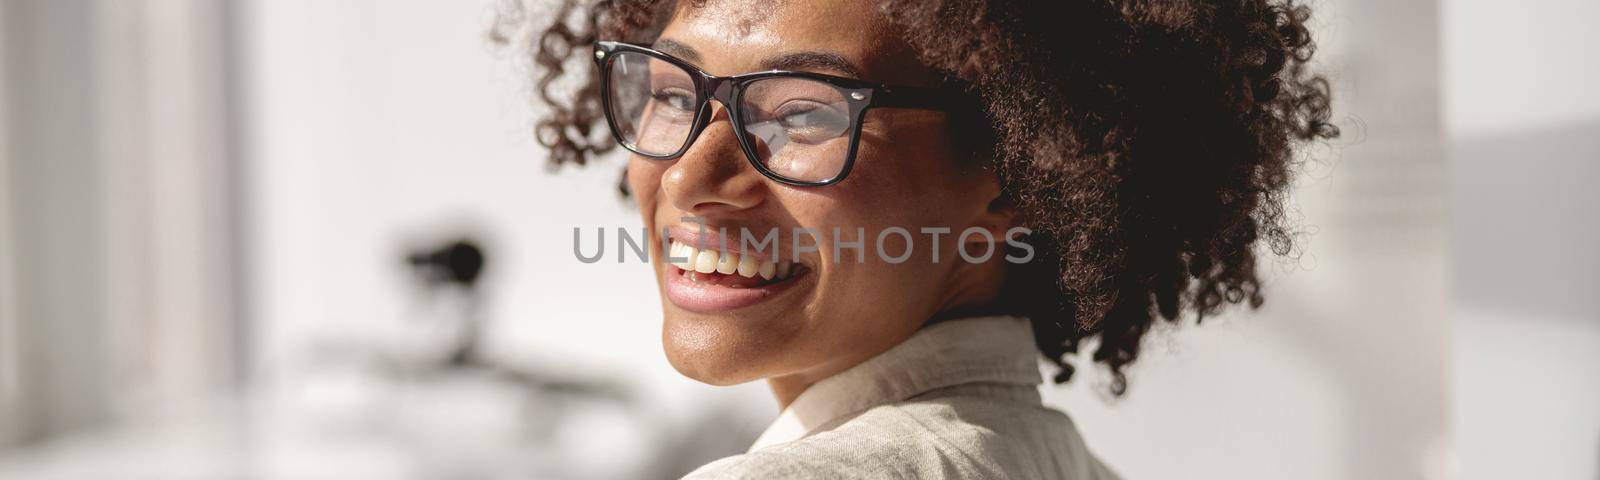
(800, 128)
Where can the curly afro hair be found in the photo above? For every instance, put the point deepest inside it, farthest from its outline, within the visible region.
(1149, 144)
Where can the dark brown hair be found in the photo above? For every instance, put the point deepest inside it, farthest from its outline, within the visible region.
(1148, 144)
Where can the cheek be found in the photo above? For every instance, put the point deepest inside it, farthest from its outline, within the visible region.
(890, 189)
(910, 156)
(908, 179)
(904, 185)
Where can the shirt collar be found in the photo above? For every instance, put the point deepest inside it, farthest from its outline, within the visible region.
(945, 354)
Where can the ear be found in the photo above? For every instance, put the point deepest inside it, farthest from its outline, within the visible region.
(998, 214)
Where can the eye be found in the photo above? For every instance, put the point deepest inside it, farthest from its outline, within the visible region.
(814, 120)
(675, 98)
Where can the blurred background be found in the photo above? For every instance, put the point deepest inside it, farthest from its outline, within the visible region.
(310, 239)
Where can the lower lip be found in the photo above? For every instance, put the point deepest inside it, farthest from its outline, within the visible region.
(706, 298)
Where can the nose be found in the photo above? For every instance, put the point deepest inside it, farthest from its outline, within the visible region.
(714, 176)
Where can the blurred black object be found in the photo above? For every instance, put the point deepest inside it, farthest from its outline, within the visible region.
(455, 267)
(459, 262)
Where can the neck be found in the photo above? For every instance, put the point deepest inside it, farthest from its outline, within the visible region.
(975, 293)
(787, 388)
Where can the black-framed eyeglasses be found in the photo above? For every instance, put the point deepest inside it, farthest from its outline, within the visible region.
(799, 128)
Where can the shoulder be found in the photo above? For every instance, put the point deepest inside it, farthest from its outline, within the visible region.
(880, 443)
(932, 438)
(864, 447)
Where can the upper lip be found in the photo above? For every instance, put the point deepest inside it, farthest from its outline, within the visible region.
(712, 240)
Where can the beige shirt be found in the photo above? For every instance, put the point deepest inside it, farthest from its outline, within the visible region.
(959, 399)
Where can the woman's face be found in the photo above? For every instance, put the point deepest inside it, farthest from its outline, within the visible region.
(826, 314)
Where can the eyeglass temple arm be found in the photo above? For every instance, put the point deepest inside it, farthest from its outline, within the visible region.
(916, 97)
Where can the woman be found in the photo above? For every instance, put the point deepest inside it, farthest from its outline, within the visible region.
(1125, 156)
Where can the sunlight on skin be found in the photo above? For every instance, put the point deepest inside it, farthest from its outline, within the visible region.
(907, 174)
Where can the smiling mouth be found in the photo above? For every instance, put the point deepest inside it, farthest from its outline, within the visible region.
(709, 267)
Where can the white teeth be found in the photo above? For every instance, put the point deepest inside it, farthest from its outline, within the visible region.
(706, 262)
(748, 266)
(682, 255)
(726, 263)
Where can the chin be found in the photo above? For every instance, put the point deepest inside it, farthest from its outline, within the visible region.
(721, 351)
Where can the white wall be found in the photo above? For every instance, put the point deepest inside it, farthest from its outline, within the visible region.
(1519, 66)
(10, 328)
(1523, 124)
(56, 253)
(117, 295)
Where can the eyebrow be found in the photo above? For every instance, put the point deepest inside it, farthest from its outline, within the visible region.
(812, 61)
(676, 49)
(808, 60)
